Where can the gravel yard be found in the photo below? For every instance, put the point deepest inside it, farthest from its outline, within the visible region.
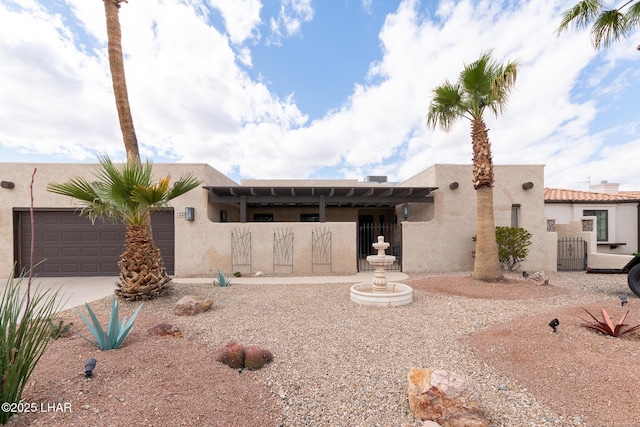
(340, 364)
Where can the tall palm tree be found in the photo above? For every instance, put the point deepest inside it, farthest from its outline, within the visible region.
(608, 25)
(128, 193)
(482, 84)
(116, 63)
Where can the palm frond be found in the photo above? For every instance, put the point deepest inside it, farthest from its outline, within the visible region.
(581, 15)
(609, 27)
(633, 16)
(125, 192)
(445, 107)
(185, 184)
(502, 83)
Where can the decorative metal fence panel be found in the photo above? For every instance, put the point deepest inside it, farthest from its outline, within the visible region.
(368, 235)
(283, 248)
(320, 247)
(572, 254)
(241, 249)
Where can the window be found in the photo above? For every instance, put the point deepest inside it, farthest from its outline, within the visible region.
(515, 216)
(263, 217)
(602, 227)
(309, 217)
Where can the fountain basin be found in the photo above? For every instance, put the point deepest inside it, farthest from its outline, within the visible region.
(395, 294)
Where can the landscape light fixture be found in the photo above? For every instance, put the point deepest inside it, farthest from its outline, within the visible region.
(89, 366)
(623, 300)
(554, 324)
(525, 274)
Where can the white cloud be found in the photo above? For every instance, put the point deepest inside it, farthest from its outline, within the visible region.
(293, 13)
(367, 6)
(241, 17)
(193, 102)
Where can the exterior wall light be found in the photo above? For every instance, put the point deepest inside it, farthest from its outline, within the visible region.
(527, 185)
(405, 211)
(7, 184)
(189, 214)
(454, 185)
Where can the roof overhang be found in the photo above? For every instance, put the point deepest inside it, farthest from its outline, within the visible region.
(348, 196)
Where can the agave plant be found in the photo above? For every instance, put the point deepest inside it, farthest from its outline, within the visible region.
(605, 326)
(117, 331)
(222, 280)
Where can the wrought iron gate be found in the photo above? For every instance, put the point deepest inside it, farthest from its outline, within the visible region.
(368, 234)
(572, 254)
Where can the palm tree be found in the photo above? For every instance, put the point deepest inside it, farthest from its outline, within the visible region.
(128, 194)
(481, 84)
(116, 63)
(607, 25)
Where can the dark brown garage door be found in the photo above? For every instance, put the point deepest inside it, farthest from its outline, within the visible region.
(71, 245)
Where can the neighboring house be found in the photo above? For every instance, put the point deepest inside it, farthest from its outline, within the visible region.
(277, 226)
(606, 218)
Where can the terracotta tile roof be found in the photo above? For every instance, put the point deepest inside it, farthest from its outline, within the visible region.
(634, 194)
(557, 195)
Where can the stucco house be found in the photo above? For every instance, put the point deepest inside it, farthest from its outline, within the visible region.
(602, 224)
(277, 226)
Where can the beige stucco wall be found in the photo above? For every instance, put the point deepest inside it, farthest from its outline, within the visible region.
(442, 240)
(437, 237)
(188, 238)
(213, 252)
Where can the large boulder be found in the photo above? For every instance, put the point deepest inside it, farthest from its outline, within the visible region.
(191, 305)
(444, 397)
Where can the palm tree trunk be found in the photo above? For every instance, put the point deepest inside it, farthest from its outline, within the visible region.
(116, 63)
(482, 161)
(487, 262)
(142, 272)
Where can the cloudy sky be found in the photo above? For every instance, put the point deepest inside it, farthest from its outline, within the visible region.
(314, 88)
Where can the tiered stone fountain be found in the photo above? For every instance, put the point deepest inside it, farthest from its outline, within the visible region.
(381, 293)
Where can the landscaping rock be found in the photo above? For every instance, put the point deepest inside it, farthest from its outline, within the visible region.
(191, 305)
(444, 397)
(165, 330)
(539, 278)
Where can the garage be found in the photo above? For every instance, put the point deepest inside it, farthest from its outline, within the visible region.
(70, 245)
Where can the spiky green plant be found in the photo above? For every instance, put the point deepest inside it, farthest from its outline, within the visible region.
(222, 280)
(24, 336)
(117, 331)
(606, 326)
(59, 328)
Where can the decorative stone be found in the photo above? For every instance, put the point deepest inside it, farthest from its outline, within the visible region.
(539, 278)
(191, 305)
(444, 397)
(165, 330)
